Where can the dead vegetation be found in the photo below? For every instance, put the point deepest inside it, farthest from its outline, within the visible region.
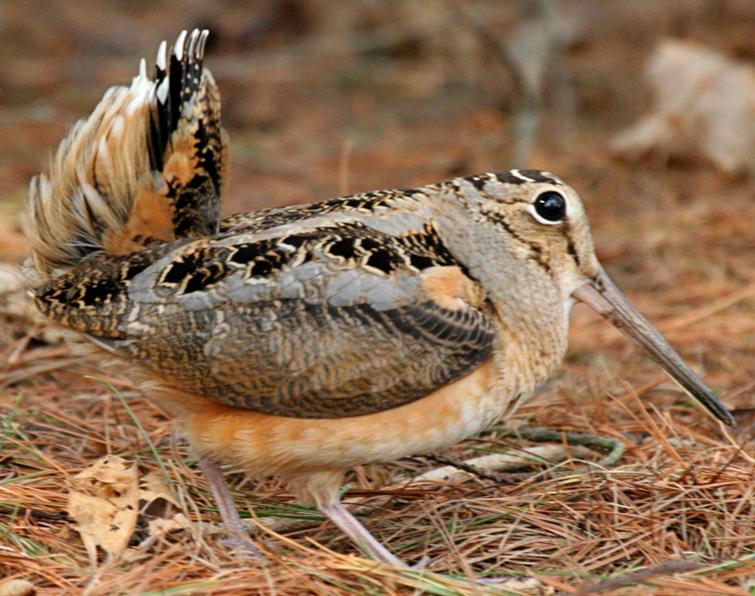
(321, 100)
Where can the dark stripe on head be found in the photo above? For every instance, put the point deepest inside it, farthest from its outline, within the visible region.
(571, 247)
(536, 252)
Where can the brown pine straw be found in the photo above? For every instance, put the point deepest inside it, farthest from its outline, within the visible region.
(676, 513)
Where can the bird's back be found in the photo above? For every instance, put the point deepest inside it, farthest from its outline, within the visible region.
(332, 309)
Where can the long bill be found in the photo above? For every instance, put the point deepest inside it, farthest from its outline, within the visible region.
(606, 299)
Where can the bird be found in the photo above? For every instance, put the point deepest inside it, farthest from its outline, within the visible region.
(301, 341)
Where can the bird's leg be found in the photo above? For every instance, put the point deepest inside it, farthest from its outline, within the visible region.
(322, 488)
(352, 527)
(226, 506)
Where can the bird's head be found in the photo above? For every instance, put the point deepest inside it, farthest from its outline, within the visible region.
(543, 222)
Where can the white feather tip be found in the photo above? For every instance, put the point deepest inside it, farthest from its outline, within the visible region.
(202, 42)
(162, 56)
(191, 55)
(179, 49)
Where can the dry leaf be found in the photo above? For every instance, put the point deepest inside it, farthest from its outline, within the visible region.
(17, 587)
(15, 302)
(704, 106)
(161, 526)
(158, 500)
(103, 501)
(153, 487)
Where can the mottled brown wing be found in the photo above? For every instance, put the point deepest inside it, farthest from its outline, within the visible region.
(318, 324)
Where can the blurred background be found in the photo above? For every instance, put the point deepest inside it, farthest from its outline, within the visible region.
(645, 107)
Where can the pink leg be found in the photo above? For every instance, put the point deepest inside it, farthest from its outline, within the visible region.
(351, 526)
(226, 506)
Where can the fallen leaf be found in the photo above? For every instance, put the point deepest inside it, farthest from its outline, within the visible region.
(161, 526)
(704, 106)
(153, 487)
(18, 313)
(17, 587)
(103, 500)
(158, 501)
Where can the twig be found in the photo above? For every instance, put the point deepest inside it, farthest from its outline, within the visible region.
(34, 513)
(526, 59)
(615, 447)
(700, 314)
(14, 377)
(489, 466)
(641, 576)
(343, 166)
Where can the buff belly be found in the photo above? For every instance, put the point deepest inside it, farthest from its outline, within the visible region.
(264, 444)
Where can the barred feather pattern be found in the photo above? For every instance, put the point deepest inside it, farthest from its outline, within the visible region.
(146, 166)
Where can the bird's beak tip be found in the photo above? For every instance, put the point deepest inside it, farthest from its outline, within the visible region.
(606, 299)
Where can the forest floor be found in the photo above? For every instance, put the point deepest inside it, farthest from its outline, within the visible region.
(310, 117)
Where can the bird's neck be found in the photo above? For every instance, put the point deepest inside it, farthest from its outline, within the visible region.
(530, 311)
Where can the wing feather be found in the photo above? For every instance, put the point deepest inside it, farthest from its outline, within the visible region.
(315, 324)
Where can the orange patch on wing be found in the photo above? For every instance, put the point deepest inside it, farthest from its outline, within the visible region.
(151, 217)
(181, 165)
(450, 288)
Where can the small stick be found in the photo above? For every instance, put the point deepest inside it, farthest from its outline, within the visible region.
(641, 576)
(343, 166)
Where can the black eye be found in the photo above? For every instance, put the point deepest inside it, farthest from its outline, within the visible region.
(551, 206)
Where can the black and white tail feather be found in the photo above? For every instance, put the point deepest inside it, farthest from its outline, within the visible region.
(148, 165)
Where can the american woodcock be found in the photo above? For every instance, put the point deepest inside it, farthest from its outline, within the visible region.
(301, 341)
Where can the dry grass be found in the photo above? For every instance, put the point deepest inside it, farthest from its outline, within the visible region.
(676, 514)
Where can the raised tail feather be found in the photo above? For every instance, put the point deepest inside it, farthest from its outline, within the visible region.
(147, 166)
